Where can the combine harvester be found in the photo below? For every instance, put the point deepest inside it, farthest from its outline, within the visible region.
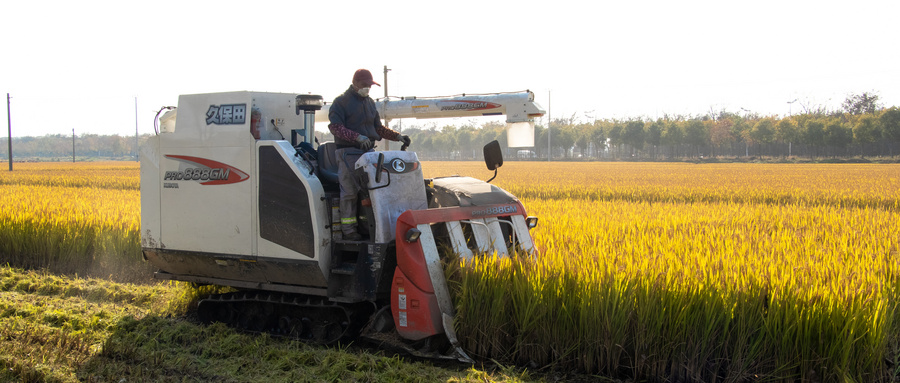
(219, 207)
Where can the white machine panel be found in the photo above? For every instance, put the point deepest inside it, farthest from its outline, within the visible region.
(204, 191)
(150, 188)
(206, 199)
(404, 189)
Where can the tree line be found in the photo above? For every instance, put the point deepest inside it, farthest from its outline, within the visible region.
(60, 147)
(860, 129)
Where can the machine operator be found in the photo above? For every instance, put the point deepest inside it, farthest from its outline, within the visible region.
(356, 125)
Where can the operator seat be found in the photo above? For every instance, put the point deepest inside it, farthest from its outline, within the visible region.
(328, 162)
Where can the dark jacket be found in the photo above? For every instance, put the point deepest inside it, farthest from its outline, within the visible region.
(356, 113)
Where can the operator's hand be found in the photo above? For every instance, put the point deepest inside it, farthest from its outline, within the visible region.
(364, 142)
(404, 140)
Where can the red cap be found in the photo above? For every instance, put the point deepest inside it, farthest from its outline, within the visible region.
(364, 76)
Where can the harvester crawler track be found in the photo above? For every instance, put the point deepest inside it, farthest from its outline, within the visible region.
(306, 318)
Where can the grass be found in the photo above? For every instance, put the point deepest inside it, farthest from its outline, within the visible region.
(65, 329)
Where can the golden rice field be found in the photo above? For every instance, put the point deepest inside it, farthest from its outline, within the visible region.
(82, 217)
(647, 271)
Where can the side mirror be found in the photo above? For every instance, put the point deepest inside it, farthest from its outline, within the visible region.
(493, 156)
(379, 168)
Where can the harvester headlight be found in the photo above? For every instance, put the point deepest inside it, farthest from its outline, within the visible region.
(412, 235)
(531, 222)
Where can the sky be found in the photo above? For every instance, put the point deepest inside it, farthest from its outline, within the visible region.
(84, 65)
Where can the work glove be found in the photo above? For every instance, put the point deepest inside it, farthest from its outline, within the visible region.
(364, 142)
(404, 140)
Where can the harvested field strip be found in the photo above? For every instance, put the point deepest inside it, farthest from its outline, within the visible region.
(65, 329)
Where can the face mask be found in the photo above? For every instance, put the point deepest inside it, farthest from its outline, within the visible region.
(364, 92)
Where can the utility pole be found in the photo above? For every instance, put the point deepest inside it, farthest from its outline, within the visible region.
(791, 144)
(135, 129)
(387, 121)
(549, 148)
(386, 70)
(73, 145)
(9, 123)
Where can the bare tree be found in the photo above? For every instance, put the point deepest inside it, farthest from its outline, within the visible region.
(865, 103)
